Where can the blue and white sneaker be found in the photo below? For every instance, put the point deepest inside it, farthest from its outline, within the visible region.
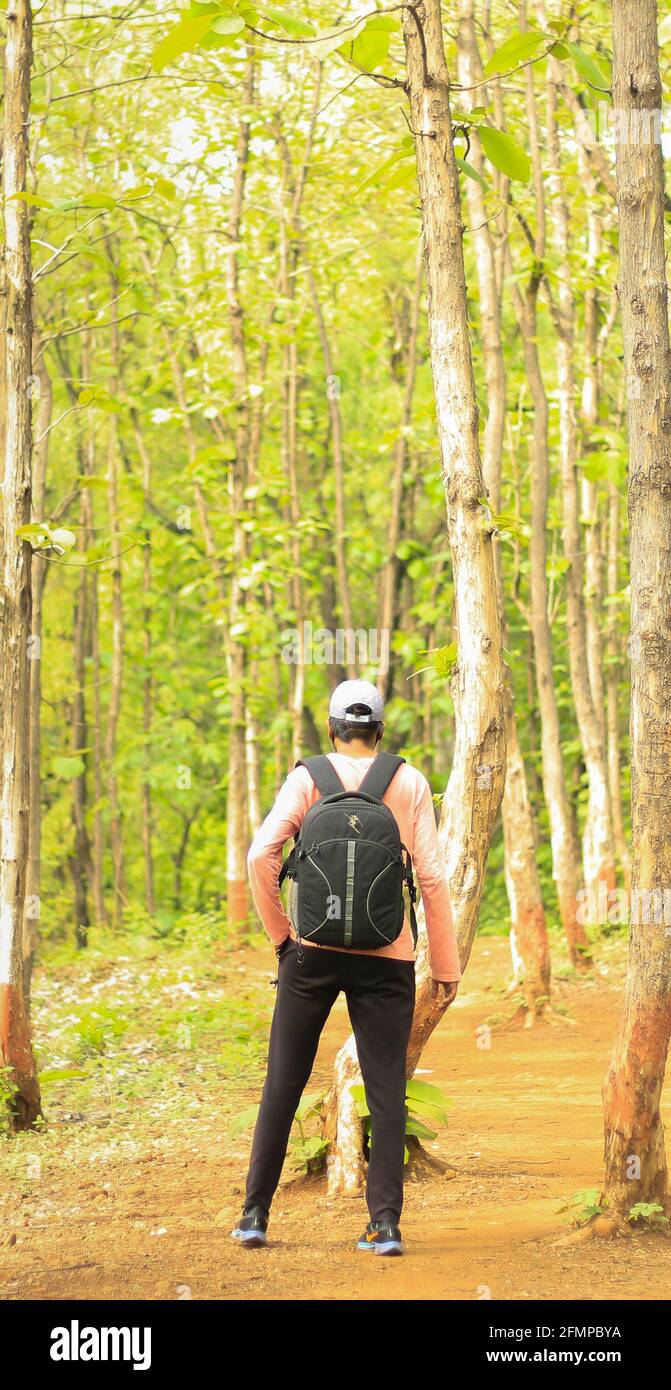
(251, 1228)
(384, 1237)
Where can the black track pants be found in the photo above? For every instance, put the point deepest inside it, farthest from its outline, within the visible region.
(380, 996)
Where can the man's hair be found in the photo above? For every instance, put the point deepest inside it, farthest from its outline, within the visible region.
(346, 732)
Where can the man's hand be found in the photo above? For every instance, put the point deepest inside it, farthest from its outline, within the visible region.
(446, 989)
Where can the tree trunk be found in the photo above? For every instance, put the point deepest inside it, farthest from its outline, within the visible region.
(528, 933)
(289, 259)
(15, 1048)
(598, 849)
(100, 910)
(116, 677)
(565, 852)
(340, 545)
(147, 687)
(80, 862)
(390, 573)
(612, 689)
(236, 654)
(475, 786)
(591, 512)
(39, 576)
(635, 1159)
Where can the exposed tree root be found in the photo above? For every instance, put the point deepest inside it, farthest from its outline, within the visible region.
(600, 1228)
(423, 1166)
(523, 1017)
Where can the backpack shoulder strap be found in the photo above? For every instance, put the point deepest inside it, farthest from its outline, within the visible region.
(323, 774)
(380, 773)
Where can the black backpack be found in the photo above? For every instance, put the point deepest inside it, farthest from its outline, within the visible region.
(348, 861)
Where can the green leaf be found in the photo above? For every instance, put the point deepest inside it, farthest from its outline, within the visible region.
(296, 28)
(181, 39)
(505, 154)
(313, 1147)
(99, 396)
(228, 24)
(32, 528)
(165, 188)
(67, 768)
(381, 169)
(369, 47)
(329, 41)
(472, 172)
(420, 1131)
(587, 68)
(517, 49)
(443, 661)
(358, 1094)
(405, 177)
(309, 1102)
(31, 199)
(367, 51)
(426, 1091)
(97, 200)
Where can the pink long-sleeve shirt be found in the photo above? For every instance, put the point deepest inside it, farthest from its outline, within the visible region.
(409, 799)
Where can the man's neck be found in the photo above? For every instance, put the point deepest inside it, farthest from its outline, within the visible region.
(355, 749)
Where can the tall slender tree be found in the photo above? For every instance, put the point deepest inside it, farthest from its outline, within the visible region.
(475, 788)
(636, 1167)
(16, 1054)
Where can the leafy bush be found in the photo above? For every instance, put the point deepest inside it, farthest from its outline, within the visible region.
(423, 1102)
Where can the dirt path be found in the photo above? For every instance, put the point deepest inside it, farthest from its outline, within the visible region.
(525, 1134)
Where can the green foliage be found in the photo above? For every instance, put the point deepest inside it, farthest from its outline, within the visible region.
(137, 143)
(648, 1213)
(96, 1030)
(8, 1092)
(424, 1102)
(583, 1206)
(308, 1151)
(505, 153)
(517, 49)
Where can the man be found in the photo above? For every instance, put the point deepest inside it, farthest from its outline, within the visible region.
(379, 984)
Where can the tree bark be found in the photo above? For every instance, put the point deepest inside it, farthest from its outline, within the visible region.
(635, 1159)
(475, 786)
(147, 686)
(598, 848)
(116, 676)
(80, 861)
(390, 573)
(15, 1047)
(613, 690)
(332, 386)
(38, 580)
(100, 910)
(528, 933)
(565, 851)
(236, 652)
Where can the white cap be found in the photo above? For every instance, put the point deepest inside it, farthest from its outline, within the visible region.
(350, 693)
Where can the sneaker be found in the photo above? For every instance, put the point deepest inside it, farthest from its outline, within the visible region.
(251, 1228)
(384, 1237)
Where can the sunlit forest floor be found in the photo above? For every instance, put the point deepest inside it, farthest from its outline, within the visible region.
(149, 1053)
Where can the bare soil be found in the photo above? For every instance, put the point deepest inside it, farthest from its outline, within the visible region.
(524, 1135)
